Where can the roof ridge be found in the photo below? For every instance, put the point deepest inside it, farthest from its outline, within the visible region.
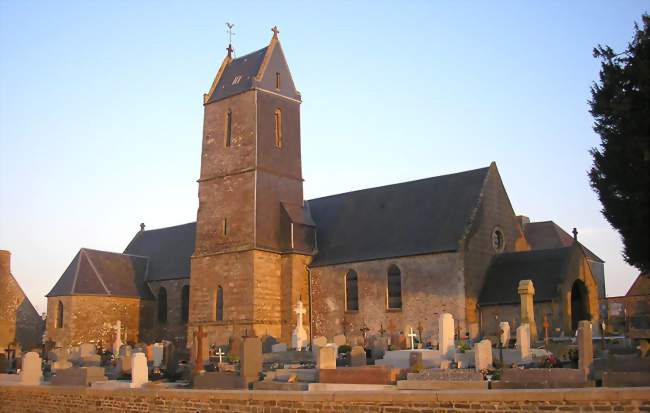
(161, 228)
(399, 183)
(97, 274)
(76, 271)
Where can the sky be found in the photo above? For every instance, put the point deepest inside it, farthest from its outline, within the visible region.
(101, 109)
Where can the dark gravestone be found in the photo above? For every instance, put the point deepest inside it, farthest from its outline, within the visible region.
(267, 343)
(78, 376)
(626, 379)
(219, 380)
(415, 359)
(4, 364)
(359, 375)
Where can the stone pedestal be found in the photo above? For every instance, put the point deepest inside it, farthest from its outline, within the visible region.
(585, 347)
(504, 326)
(526, 292)
(446, 335)
(523, 341)
(483, 355)
(251, 358)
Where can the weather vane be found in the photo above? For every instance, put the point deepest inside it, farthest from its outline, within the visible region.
(230, 34)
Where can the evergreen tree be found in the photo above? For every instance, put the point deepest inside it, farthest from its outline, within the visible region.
(620, 105)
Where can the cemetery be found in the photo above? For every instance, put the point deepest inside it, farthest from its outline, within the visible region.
(393, 367)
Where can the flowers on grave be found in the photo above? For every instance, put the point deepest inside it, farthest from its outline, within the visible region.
(464, 346)
(344, 349)
(551, 361)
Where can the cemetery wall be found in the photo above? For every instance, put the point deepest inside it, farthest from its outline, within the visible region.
(79, 399)
(431, 284)
(88, 318)
(494, 211)
(19, 320)
(175, 326)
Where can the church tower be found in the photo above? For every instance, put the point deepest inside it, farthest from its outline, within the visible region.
(254, 236)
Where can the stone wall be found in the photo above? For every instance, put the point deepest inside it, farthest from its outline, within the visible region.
(19, 320)
(431, 284)
(494, 211)
(175, 328)
(88, 318)
(69, 399)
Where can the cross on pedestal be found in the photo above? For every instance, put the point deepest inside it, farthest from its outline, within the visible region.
(198, 361)
(412, 335)
(220, 354)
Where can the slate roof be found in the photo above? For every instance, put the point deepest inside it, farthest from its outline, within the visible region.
(169, 250)
(641, 286)
(94, 272)
(547, 234)
(245, 66)
(411, 218)
(546, 268)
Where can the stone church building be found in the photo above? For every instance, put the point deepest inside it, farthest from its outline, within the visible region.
(392, 257)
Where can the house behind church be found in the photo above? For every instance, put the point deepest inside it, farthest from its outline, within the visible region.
(395, 256)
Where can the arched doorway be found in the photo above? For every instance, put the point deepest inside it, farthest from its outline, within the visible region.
(579, 304)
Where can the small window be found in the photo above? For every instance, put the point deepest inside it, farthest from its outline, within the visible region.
(351, 291)
(278, 128)
(162, 305)
(236, 80)
(219, 304)
(225, 227)
(59, 315)
(498, 241)
(228, 129)
(185, 303)
(394, 288)
(277, 80)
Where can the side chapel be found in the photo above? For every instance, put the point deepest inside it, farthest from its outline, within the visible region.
(386, 258)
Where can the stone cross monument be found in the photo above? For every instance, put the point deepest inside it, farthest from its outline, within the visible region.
(526, 292)
(299, 337)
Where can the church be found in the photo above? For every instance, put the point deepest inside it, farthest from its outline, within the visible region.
(383, 259)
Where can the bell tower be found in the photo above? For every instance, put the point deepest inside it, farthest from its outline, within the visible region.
(254, 236)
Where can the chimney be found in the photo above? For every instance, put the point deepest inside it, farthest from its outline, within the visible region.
(523, 220)
(5, 262)
(575, 234)
(142, 227)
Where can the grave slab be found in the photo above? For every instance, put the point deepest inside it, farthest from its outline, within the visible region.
(280, 386)
(441, 385)
(359, 375)
(350, 387)
(219, 380)
(626, 379)
(400, 358)
(78, 376)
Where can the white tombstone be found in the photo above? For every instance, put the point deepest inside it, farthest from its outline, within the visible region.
(30, 372)
(158, 350)
(327, 357)
(340, 340)
(139, 370)
(299, 338)
(504, 326)
(446, 335)
(118, 337)
(483, 355)
(523, 341)
(278, 348)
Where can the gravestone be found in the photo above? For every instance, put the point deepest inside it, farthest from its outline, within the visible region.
(319, 341)
(340, 340)
(267, 343)
(87, 350)
(415, 359)
(357, 356)
(526, 292)
(251, 358)
(139, 370)
(149, 352)
(504, 326)
(4, 364)
(523, 341)
(359, 375)
(483, 355)
(299, 338)
(326, 358)
(379, 348)
(31, 373)
(158, 350)
(446, 335)
(117, 343)
(279, 348)
(78, 376)
(585, 347)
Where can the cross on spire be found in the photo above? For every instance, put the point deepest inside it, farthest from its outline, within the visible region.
(275, 31)
(230, 34)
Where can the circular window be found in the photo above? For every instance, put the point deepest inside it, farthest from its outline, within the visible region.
(498, 241)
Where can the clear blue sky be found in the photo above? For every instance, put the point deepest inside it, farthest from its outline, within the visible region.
(101, 109)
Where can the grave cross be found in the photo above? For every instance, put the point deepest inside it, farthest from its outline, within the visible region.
(220, 354)
(198, 361)
(364, 330)
(412, 335)
(300, 310)
(546, 325)
(382, 330)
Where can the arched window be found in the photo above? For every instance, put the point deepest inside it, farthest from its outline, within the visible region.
(185, 303)
(228, 127)
(162, 305)
(59, 315)
(278, 128)
(351, 291)
(394, 288)
(219, 304)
